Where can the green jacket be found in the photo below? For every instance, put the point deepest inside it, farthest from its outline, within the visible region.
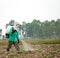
(13, 37)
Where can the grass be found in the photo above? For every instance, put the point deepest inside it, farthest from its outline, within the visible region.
(35, 42)
(50, 50)
(5, 42)
(44, 41)
(44, 56)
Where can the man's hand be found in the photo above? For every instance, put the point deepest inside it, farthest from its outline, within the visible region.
(18, 41)
(7, 35)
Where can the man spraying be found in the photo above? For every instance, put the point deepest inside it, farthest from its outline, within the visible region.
(13, 37)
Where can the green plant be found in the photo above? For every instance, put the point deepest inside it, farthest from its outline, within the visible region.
(44, 56)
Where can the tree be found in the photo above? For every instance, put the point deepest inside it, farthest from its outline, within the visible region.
(58, 28)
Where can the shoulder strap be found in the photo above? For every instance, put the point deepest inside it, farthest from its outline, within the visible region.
(13, 31)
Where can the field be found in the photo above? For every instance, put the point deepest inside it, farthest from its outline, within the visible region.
(47, 48)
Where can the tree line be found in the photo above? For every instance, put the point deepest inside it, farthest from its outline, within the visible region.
(38, 29)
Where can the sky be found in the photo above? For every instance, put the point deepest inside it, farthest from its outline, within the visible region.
(27, 10)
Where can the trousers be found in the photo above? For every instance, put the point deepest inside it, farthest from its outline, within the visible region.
(15, 45)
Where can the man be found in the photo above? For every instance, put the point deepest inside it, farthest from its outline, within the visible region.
(13, 37)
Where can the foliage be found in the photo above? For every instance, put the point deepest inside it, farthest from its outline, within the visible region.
(38, 29)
